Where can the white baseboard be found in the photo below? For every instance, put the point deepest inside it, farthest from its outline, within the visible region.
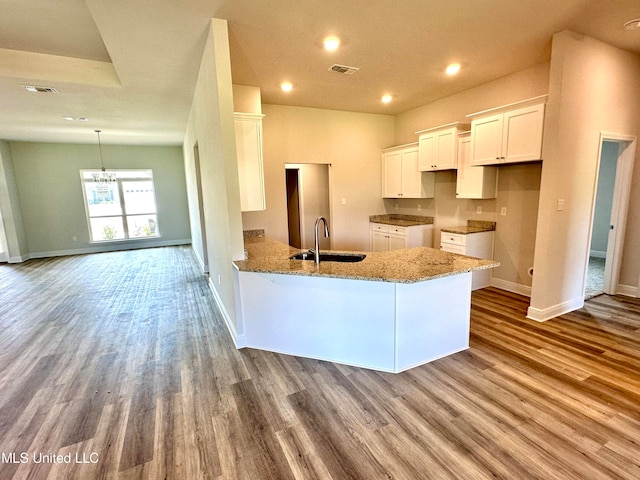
(511, 286)
(19, 259)
(597, 254)
(238, 340)
(628, 290)
(111, 247)
(542, 315)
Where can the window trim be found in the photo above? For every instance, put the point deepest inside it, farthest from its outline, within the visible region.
(123, 215)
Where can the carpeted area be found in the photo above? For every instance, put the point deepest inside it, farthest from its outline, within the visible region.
(595, 278)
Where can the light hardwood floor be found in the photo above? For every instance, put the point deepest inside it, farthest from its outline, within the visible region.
(124, 356)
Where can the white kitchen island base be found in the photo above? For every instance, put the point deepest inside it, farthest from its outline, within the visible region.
(372, 324)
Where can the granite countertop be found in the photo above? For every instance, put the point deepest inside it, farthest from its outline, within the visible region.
(399, 266)
(401, 220)
(472, 226)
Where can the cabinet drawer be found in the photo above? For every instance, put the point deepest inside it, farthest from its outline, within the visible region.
(380, 227)
(453, 238)
(447, 247)
(397, 230)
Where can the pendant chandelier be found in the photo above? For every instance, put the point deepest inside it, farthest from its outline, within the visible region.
(103, 179)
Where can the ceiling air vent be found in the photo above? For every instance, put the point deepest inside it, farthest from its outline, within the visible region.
(345, 70)
(34, 89)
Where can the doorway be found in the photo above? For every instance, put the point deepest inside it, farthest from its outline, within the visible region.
(308, 197)
(203, 228)
(615, 167)
(4, 255)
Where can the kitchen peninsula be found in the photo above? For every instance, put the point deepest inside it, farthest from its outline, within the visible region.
(391, 311)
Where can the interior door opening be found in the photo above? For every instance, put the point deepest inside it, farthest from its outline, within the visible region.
(4, 256)
(608, 219)
(308, 197)
(203, 228)
(293, 206)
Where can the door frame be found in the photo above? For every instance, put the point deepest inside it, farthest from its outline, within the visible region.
(201, 216)
(618, 218)
(4, 247)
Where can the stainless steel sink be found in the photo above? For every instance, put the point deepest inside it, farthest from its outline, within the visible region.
(330, 257)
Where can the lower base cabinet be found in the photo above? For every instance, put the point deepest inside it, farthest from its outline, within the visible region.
(479, 245)
(392, 237)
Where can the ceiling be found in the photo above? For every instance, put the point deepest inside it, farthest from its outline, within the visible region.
(130, 66)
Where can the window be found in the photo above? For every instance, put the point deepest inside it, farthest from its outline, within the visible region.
(124, 209)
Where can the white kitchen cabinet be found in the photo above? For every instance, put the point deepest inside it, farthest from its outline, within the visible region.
(479, 245)
(400, 175)
(471, 181)
(393, 237)
(507, 134)
(438, 147)
(248, 128)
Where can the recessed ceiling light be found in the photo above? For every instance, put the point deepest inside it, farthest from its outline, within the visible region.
(386, 98)
(452, 69)
(632, 24)
(83, 119)
(286, 86)
(71, 119)
(331, 43)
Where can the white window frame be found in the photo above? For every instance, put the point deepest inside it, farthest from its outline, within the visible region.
(86, 176)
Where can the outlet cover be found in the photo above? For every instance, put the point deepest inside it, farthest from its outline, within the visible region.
(479, 209)
(503, 211)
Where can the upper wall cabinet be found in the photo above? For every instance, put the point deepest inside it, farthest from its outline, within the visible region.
(438, 147)
(508, 134)
(401, 177)
(250, 169)
(472, 181)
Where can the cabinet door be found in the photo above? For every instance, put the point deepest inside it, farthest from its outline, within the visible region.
(427, 148)
(411, 176)
(250, 168)
(486, 140)
(397, 242)
(379, 241)
(392, 175)
(522, 134)
(473, 182)
(438, 150)
(447, 147)
(448, 247)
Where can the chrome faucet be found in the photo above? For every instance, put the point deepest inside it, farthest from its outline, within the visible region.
(316, 251)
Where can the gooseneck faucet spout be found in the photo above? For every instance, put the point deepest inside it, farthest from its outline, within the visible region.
(316, 251)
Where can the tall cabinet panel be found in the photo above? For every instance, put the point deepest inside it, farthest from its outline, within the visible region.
(471, 181)
(250, 166)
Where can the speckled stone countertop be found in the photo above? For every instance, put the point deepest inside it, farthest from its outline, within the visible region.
(399, 266)
(401, 220)
(472, 226)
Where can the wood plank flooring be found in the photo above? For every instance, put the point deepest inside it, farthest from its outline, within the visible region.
(122, 360)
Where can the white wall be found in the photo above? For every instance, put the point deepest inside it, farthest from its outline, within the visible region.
(47, 177)
(593, 87)
(211, 126)
(350, 142)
